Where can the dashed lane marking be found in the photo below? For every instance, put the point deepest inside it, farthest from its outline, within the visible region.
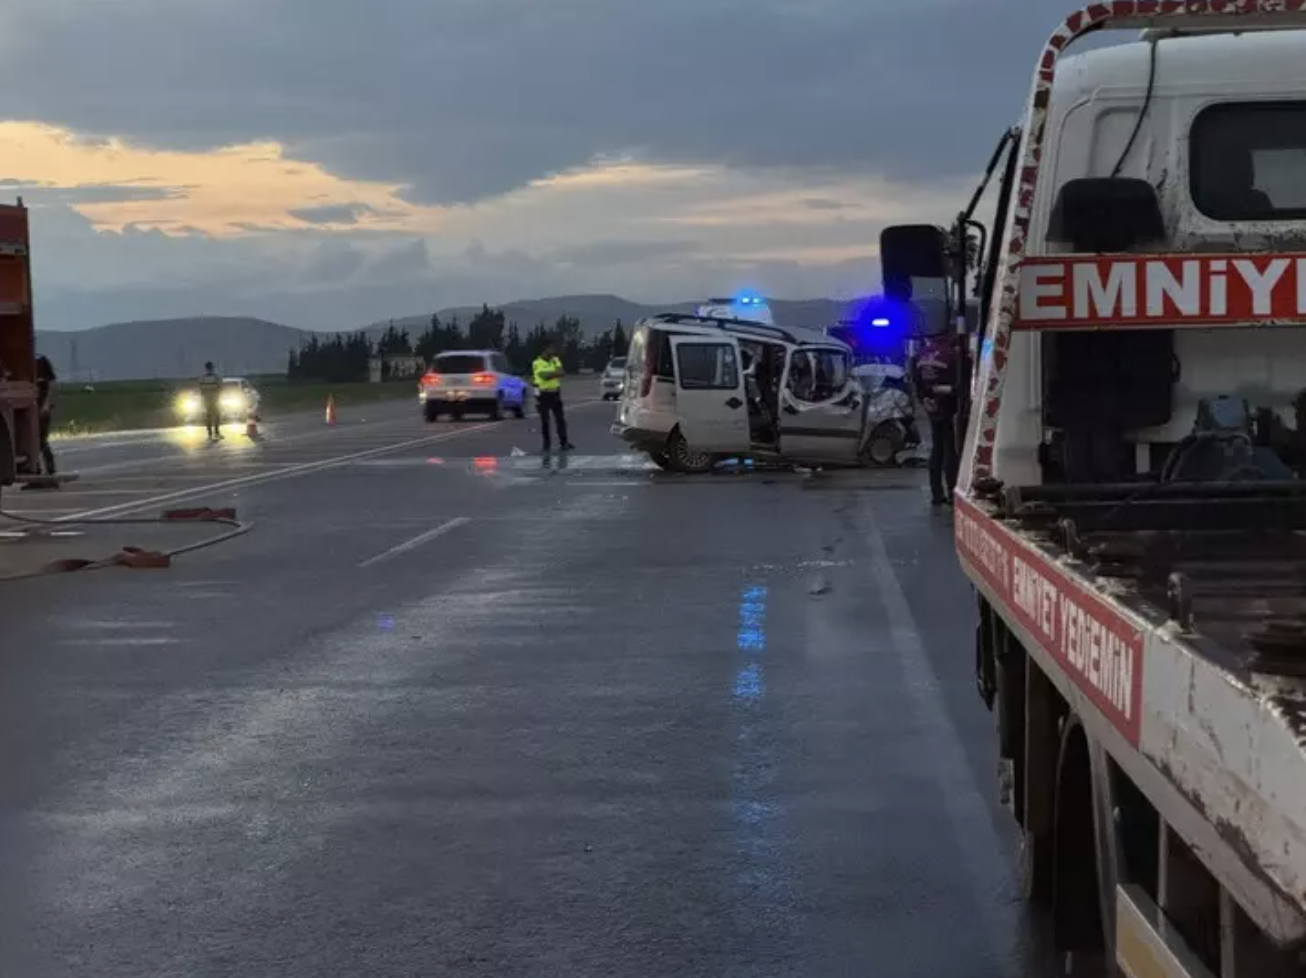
(417, 541)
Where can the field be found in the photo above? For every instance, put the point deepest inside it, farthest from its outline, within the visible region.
(134, 404)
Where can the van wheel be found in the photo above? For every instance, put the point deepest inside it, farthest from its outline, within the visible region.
(685, 459)
(884, 444)
(431, 412)
(662, 460)
(496, 412)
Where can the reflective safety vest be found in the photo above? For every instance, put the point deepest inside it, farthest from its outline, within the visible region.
(542, 366)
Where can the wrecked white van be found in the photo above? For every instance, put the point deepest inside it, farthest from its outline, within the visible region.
(702, 389)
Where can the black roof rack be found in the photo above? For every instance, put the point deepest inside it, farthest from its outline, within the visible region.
(737, 325)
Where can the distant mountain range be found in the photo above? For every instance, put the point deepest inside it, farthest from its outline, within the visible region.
(167, 348)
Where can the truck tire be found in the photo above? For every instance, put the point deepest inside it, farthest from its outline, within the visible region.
(1079, 932)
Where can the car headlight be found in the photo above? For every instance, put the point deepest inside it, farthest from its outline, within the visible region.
(233, 402)
(188, 404)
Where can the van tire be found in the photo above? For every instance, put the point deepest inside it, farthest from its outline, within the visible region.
(662, 460)
(885, 442)
(685, 459)
(431, 411)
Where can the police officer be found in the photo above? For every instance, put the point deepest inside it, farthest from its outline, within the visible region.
(546, 374)
(211, 396)
(934, 377)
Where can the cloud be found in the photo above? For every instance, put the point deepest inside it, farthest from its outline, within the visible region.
(598, 254)
(467, 99)
(332, 213)
(230, 190)
(293, 159)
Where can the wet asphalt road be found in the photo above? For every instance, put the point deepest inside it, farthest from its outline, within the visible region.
(446, 711)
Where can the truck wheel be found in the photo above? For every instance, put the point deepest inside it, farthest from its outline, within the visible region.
(1077, 926)
(685, 459)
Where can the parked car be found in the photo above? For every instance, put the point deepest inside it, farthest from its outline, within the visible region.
(613, 379)
(238, 400)
(472, 382)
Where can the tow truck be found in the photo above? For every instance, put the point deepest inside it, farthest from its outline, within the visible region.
(19, 416)
(1131, 506)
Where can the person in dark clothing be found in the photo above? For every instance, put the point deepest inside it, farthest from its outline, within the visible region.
(934, 378)
(45, 378)
(211, 394)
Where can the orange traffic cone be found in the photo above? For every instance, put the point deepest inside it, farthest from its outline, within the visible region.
(251, 426)
(331, 409)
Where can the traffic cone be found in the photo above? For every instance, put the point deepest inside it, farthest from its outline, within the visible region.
(331, 409)
(251, 426)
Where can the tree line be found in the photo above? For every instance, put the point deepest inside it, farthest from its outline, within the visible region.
(345, 357)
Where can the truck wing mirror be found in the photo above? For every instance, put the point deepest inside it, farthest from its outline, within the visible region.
(1096, 215)
(909, 251)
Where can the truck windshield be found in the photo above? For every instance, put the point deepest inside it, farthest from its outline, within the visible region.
(1247, 161)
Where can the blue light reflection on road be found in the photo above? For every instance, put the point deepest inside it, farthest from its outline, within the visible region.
(763, 888)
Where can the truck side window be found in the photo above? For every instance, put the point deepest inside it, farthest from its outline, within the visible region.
(708, 366)
(1247, 159)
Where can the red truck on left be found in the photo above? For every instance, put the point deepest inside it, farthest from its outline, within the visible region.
(19, 421)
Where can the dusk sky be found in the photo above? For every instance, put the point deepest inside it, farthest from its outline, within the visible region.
(329, 163)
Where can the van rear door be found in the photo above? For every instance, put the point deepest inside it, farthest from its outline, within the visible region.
(710, 402)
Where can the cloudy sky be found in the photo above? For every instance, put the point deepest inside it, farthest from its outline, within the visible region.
(332, 162)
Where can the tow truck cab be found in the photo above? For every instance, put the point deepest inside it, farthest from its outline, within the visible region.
(1130, 505)
(1216, 164)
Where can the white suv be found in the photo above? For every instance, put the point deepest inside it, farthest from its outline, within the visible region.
(472, 381)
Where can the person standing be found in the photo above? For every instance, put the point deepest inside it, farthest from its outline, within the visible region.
(211, 396)
(45, 378)
(934, 376)
(546, 374)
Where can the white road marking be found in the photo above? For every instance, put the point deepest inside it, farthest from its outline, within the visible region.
(132, 641)
(980, 845)
(289, 472)
(276, 475)
(121, 625)
(417, 541)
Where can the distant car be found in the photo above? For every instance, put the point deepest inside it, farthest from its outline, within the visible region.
(613, 380)
(472, 382)
(238, 400)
